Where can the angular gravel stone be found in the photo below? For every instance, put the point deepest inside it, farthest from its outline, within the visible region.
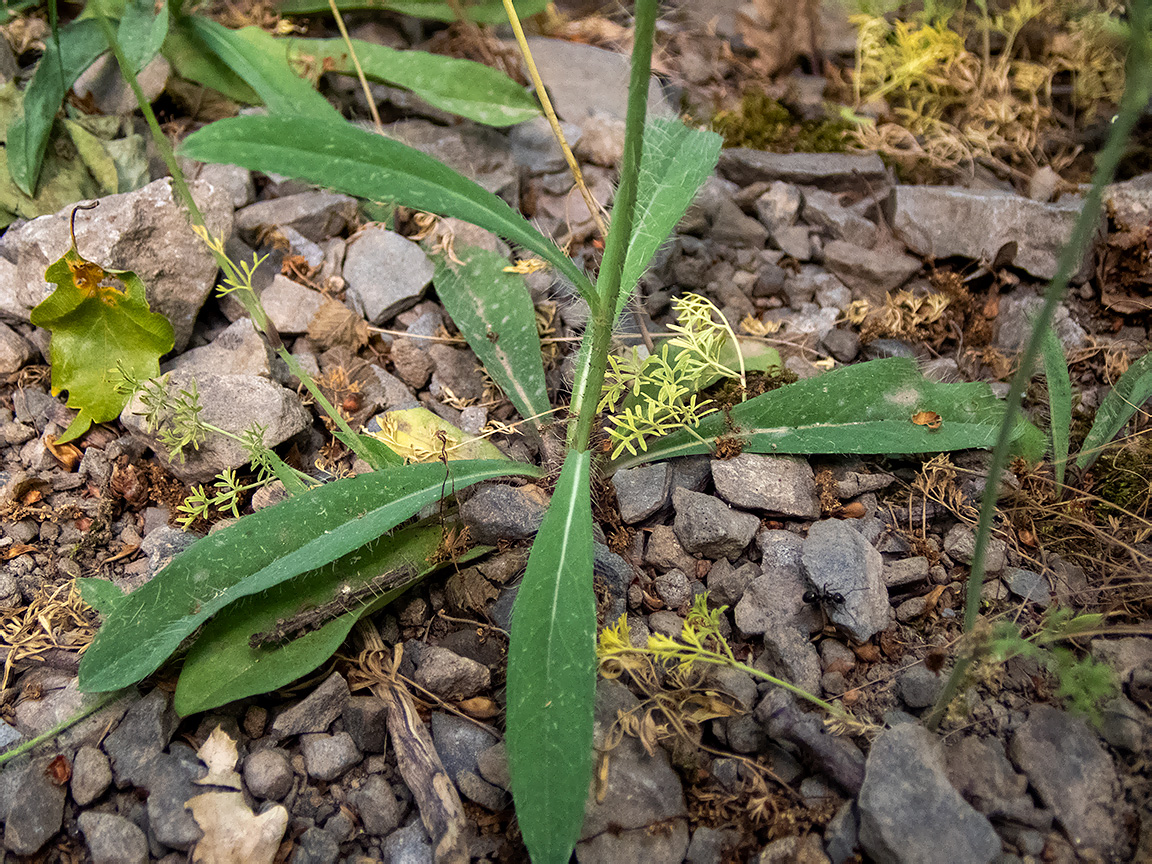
(779, 206)
(498, 512)
(641, 492)
(385, 273)
(143, 732)
(36, 807)
(450, 676)
(825, 170)
(237, 350)
(726, 584)
(15, 351)
(113, 839)
(317, 215)
(838, 559)
(365, 719)
(1028, 585)
(316, 711)
(290, 305)
(379, 809)
(327, 757)
(778, 484)
(960, 544)
(910, 813)
(871, 273)
(170, 782)
(91, 775)
(708, 526)
(919, 686)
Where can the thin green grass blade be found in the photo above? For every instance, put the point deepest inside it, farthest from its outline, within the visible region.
(259, 552)
(482, 11)
(676, 161)
(1126, 398)
(342, 157)
(143, 28)
(864, 408)
(1059, 402)
(552, 673)
(463, 87)
(223, 666)
(262, 62)
(494, 311)
(80, 43)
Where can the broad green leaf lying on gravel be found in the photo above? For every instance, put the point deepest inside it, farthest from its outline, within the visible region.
(463, 87)
(341, 157)
(1126, 398)
(223, 665)
(98, 330)
(483, 11)
(552, 673)
(1059, 401)
(882, 406)
(101, 594)
(676, 161)
(494, 311)
(192, 59)
(259, 552)
(80, 43)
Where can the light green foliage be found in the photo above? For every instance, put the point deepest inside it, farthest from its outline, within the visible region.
(482, 11)
(552, 673)
(101, 594)
(1059, 401)
(463, 87)
(1126, 398)
(99, 332)
(493, 309)
(143, 29)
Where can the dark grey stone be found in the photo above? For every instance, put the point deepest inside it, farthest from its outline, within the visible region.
(91, 775)
(268, 774)
(407, 845)
(170, 784)
(385, 273)
(316, 711)
(838, 559)
(379, 809)
(643, 491)
(919, 686)
(497, 512)
(365, 719)
(450, 676)
(708, 526)
(315, 846)
(726, 583)
(144, 732)
(825, 170)
(317, 215)
(871, 273)
(35, 806)
(113, 839)
(1028, 585)
(459, 742)
(327, 757)
(778, 484)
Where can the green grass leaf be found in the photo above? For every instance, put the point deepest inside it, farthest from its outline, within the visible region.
(80, 43)
(191, 58)
(552, 673)
(259, 552)
(864, 408)
(101, 594)
(482, 11)
(463, 87)
(339, 156)
(494, 311)
(97, 329)
(222, 666)
(262, 62)
(676, 161)
(142, 31)
(1125, 399)
(1059, 402)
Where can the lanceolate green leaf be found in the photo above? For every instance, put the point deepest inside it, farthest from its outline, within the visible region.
(676, 161)
(260, 551)
(865, 408)
(341, 157)
(262, 61)
(1059, 401)
(142, 31)
(192, 59)
(223, 666)
(1125, 399)
(80, 43)
(552, 673)
(494, 311)
(483, 11)
(471, 90)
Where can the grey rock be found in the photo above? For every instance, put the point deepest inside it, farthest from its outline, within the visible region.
(144, 731)
(709, 845)
(824, 210)
(480, 154)
(1073, 776)
(164, 544)
(498, 512)
(412, 364)
(731, 227)
(838, 559)
(871, 273)
(385, 273)
(1014, 323)
(376, 803)
(481, 792)
(835, 756)
(707, 526)
(16, 352)
(290, 305)
(35, 808)
(795, 241)
(824, 170)
(268, 774)
(493, 765)
(960, 544)
(365, 719)
(327, 757)
(691, 472)
(668, 844)
(942, 221)
(1130, 657)
(315, 846)
(981, 772)
(103, 87)
(91, 775)
(145, 231)
(790, 654)
(170, 783)
(726, 584)
(61, 700)
(396, 394)
(113, 839)
(643, 491)
(1123, 724)
(909, 812)
(1028, 586)
(407, 845)
(317, 215)
(238, 350)
(664, 551)
(450, 676)
(666, 624)
(9, 734)
(298, 244)
(673, 588)
(844, 345)
(640, 790)
(236, 181)
(316, 711)
(455, 369)
(842, 834)
(778, 484)
(535, 148)
(796, 848)
(906, 571)
(779, 206)
(459, 743)
(231, 402)
(918, 686)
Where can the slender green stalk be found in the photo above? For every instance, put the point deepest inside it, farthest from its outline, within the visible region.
(1137, 90)
(594, 361)
(87, 711)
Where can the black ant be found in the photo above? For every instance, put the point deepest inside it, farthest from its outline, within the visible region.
(821, 594)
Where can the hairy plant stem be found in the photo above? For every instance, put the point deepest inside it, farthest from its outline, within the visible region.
(1137, 90)
(594, 361)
